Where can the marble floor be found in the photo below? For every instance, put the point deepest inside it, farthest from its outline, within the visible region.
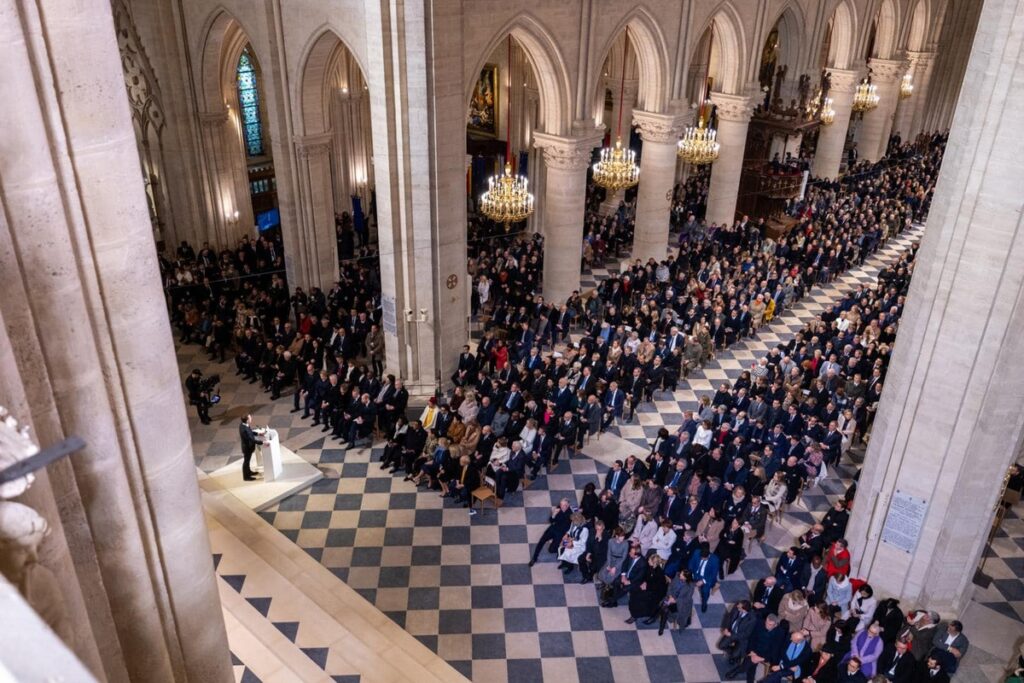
(461, 586)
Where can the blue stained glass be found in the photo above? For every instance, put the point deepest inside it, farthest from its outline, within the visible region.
(249, 101)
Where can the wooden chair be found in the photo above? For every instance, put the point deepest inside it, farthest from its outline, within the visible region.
(482, 494)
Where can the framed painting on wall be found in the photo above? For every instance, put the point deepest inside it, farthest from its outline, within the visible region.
(483, 106)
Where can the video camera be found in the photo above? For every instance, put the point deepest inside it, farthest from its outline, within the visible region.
(209, 385)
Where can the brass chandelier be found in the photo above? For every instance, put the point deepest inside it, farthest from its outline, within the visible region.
(866, 97)
(828, 114)
(906, 86)
(617, 169)
(508, 199)
(699, 144)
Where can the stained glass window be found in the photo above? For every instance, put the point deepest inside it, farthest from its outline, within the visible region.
(249, 101)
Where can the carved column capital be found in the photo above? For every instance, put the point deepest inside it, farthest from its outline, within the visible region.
(732, 107)
(567, 153)
(883, 70)
(845, 80)
(307, 146)
(658, 127)
(212, 119)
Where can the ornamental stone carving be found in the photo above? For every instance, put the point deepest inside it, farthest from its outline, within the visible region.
(313, 146)
(731, 107)
(566, 154)
(887, 69)
(844, 80)
(22, 530)
(663, 128)
(139, 78)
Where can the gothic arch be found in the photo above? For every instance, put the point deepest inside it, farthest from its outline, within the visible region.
(328, 62)
(844, 30)
(790, 23)
(728, 49)
(548, 67)
(648, 44)
(224, 40)
(917, 31)
(886, 29)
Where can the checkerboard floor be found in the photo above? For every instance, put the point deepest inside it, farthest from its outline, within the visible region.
(462, 585)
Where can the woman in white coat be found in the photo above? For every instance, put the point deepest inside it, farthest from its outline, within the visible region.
(663, 539)
(644, 531)
(574, 543)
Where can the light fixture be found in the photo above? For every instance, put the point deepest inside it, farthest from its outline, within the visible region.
(906, 86)
(828, 114)
(699, 144)
(866, 97)
(508, 199)
(617, 169)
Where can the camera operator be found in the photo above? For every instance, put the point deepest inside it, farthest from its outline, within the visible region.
(198, 395)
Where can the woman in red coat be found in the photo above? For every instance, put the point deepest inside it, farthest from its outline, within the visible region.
(500, 356)
(837, 560)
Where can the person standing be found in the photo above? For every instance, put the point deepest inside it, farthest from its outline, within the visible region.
(249, 443)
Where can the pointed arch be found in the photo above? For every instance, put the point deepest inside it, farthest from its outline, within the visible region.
(327, 62)
(729, 45)
(917, 31)
(886, 30)
(844, 32)
(791, 25)
(648, 43)
(223, 41)
(548, 66)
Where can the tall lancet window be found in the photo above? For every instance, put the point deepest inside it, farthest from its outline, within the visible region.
(249, 101)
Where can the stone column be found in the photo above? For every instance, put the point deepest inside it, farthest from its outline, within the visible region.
(229, 208)
(98, 358)
(565, 192)
(874, 131)
(828, 155)
(660, 133)
(316, 263)
(623, 103)
(922, 63)
(733, 117)
(949, 422)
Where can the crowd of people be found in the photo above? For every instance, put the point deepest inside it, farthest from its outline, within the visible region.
(664, 530)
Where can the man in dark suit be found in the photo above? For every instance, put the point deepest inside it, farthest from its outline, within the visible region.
(614, 400)
(737, 625)
(930, 671)
(766, 596)
(616, 478)
(791, 663)
(704, 567)
(832, 443)
(630, 578)
(249, 443)
(765, 645)
(789, 569)
(673, 508)
(565, 437)
(467, 368)
(558, 524)
(897, 663)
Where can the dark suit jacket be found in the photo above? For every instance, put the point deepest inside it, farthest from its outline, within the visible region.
(767, 643)
(249, 439)
(904, 672)
(744, 626)
(801, 659)
(608, 478)
(771, 603)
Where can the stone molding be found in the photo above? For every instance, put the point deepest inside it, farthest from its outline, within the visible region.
(307, 146)
(920, 60)
(212, 119)
(567, 153)
(732, 107)
(663, 128)
(883, 70)
(845, 80)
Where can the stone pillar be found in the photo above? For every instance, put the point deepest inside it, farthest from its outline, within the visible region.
(922, 63)
(97, 358)
(230, 210)
(565, 193)
(660, 133)
(949, 422)
(874, 132)
(733, 117)
(623, 103)
(316, 262)
(828, 155)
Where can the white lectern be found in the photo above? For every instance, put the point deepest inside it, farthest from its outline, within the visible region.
(270, 455)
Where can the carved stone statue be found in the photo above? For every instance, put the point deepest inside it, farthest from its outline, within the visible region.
(780, 76)
(804, 90)
(22, 530)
